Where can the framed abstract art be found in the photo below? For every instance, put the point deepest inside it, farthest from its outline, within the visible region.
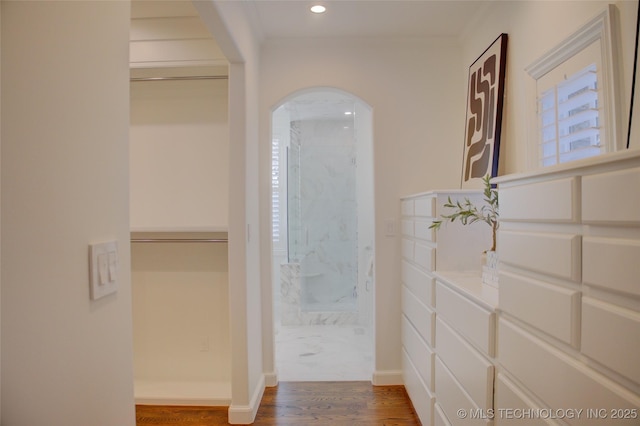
(483, 123)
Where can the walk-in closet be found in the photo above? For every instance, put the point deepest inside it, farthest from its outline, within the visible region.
(178, 208)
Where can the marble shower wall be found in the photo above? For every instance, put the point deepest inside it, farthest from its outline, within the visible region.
(322, 215)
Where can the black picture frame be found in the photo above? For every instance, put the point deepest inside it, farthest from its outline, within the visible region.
(483, 123)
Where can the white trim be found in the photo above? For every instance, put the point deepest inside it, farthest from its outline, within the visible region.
(603, 28)
(246, 414)
(271, 379)
(387, 378)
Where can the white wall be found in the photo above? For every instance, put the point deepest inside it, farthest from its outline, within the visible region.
(179, 147)
(248, 252)
(65, 112)
(529, 40)
(412, 86)
(180, 314)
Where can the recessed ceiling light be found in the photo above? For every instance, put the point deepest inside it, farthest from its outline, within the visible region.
(318, 8)
(348, 113)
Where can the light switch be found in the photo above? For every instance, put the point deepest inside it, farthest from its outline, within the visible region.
(113, 265)
(103, 269)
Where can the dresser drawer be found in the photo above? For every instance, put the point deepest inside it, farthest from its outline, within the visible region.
(439, 417)
(407, 227)
(472, 321)
(611, 336)
(408, 249)
(510, 397)
(421, 397)
(612, 263)
(470, 368)
(546, 253)
(420, 284)
(526, 298)
(555, 201)
(419, 352)
(422, 317)
(425, 256)
(612, 197)
(406, 207)
(452, 397)
(559, 379)
(425, 207)
(423, 232)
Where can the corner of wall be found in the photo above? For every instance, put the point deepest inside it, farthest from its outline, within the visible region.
(246, 414)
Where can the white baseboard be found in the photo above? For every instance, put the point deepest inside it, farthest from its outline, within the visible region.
(213, 394)
(387, 378)
(246, 414)
(271, 380)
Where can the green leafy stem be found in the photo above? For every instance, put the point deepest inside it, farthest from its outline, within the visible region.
(467, 213)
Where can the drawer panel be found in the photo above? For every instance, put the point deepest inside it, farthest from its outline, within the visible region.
(420, 315)
(611, 197)
(452, 397)
(509, 397)
(423, 232)
(526, 298)
(611, 336)
(420, 284)
(407, 227)
(425, 207)
(439, 418)
(470, 368)
(552, 254)
(425, 256)
(408, 249)
(406, 207)
(420, 354)
(555, 201)
(472, 321)
(420, 396)
(558, 379)
(612, 263)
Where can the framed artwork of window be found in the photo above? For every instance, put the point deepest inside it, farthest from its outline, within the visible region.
(485, 95)
(573, 96)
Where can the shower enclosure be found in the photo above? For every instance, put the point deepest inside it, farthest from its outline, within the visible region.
(327, 274)
(322, 215)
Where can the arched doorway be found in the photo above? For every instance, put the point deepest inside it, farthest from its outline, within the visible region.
(323, 245)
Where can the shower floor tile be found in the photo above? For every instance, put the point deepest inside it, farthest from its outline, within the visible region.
(324, 353)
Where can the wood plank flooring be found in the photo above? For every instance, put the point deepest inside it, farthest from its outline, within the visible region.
(302, 403)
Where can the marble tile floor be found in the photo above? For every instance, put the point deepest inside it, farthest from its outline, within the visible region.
(324, 353)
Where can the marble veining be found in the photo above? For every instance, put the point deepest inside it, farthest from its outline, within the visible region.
(291, 312)
(324, 353)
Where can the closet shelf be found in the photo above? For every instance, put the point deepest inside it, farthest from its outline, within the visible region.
(219, 236)
(179, 229)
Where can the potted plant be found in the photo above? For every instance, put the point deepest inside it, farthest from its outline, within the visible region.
(467, 213)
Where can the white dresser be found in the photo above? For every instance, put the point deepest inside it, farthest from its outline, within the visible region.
(559, 341)
(569, 327)
(443, 350)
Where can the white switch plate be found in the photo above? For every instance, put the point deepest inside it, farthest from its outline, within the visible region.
(390, 227)
(103, 269)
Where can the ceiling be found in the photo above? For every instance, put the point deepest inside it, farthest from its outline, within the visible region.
(276, 19)
(343, 18)
(365, 18)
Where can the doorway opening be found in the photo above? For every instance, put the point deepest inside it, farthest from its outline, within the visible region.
(323, 236)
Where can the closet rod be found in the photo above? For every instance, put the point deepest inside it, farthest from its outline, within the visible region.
(186, 77)
(179, 240)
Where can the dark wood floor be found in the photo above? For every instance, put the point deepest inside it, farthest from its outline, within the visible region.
(302, 403)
